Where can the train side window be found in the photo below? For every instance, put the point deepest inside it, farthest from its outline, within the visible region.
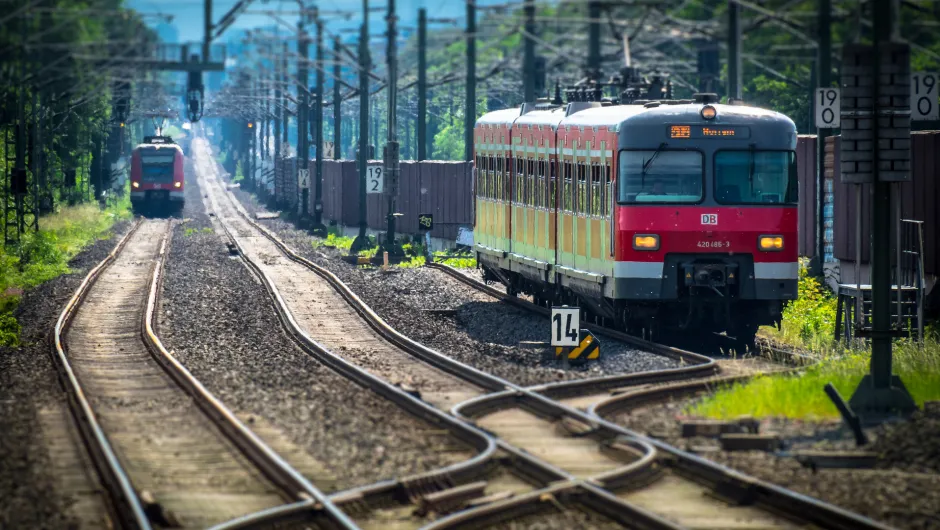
(566, 190)
(498, 178)
(608, 190)
(582, 188)
(491, 176)
(597, 196)
(553, 184)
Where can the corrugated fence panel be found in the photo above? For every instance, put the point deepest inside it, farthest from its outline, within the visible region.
(918, 201)
(806, 170)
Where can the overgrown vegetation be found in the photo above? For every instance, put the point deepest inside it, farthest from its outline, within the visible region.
(43, 255)
(809, 321)
(801, 395)
(808, 324)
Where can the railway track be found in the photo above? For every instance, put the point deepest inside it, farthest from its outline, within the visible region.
(168, 453)
(569, 456)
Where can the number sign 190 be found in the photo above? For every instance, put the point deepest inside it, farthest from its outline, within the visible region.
(924, 97)
(828, 108)
(566, 321)
(375, 179)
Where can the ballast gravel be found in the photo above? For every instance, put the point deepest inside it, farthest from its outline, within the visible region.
(32, 492)
(432, 308)
(902, 490)
(219, 321)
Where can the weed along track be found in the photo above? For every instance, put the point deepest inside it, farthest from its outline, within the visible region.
(168, 453)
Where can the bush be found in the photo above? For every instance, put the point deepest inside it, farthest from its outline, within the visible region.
(809, 321)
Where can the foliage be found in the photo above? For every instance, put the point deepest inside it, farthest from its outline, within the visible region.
(41, 256)
(801, 395)
(239, 175)
(808, 322)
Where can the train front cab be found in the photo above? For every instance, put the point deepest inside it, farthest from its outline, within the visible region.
(157, 175)
(493, 189)
(706, 218)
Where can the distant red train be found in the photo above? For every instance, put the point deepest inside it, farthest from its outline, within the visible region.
(157, 173)
(668, 215)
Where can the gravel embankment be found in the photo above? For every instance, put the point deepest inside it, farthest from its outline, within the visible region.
(220, 322)
(440, 312)
(32, 494)
(903, 490)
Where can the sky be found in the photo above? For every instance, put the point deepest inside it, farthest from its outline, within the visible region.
(188, 15)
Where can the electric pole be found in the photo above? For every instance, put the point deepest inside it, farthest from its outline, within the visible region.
(303, 102)
(594, 40)
(734, 50)
(392, 154)
(362, 240)
(422, 131)
(278, 109)
(318, 114)
(528, 55)
(337, 103)
(470, 110)
(285, 120)
(824, 77)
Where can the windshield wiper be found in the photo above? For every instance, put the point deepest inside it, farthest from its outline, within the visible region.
(648, 163)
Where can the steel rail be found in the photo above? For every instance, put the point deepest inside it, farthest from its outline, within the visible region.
(698, 365)
(271, 464)
(522, 462)
(789, 503)
(122, 498)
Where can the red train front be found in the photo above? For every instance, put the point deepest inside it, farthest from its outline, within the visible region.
(668, 215)
(157, 173)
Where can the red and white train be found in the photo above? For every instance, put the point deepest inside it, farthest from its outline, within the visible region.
(157, 173)
(661, 215)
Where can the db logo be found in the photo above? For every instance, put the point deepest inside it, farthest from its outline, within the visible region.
(709, 218)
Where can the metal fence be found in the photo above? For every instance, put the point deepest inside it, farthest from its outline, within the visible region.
(441, 188)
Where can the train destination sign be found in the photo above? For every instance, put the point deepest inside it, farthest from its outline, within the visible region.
(693, 132)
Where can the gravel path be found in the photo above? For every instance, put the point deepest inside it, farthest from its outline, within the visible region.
(44, 481)
(902, 491)
(219, 321)
(440, 312)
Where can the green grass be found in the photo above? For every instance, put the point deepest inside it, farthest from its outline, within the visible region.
(190, 231)
(41, 256)
(808, 325)
(809, 321)
(801, 395)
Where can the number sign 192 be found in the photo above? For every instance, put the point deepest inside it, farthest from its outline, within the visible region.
(828, 108)
(375, 179)
(566, 321)
(924, 97)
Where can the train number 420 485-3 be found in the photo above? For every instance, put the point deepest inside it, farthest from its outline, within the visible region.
(714, 244)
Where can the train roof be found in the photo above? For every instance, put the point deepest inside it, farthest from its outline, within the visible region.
(615, 116)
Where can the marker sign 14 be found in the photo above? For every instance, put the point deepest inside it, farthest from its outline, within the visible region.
(566, 321)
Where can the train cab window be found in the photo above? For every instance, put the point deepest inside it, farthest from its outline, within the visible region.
(661, 176)
(756, 177)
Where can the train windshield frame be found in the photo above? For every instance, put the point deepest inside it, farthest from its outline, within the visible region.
(756, 177)
(661, 176)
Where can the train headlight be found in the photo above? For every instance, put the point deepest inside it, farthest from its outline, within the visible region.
(135, 184)
(646, 242)
(770, 243)
(177, 184)
(709, 112)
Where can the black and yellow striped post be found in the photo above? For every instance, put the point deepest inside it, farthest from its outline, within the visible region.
(588, 349)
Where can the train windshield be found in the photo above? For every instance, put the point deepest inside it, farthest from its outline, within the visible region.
(661, 176)
(156, 159)
(756, 177)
